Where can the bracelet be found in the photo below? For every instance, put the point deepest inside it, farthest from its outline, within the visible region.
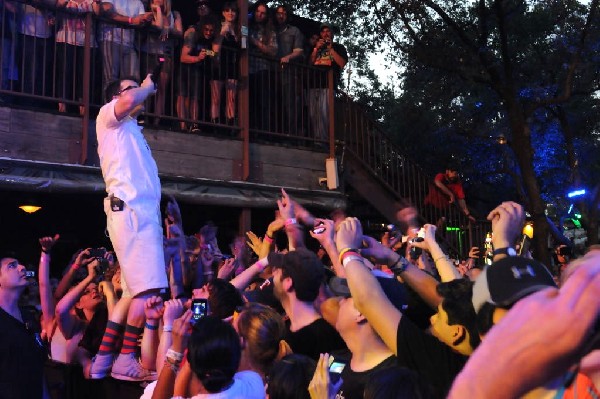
(167, 328)
(268, 239)
(440, 257)
(151, 327)
(174, 366)
(130, 21)
(290, 221)
(348, 253)
(174, 355)
(400, 266)
(343, 251)
(351, 258)
(75, 266)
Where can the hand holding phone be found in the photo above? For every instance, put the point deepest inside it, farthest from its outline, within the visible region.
(199, 309)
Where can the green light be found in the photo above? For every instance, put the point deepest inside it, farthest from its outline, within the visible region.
(577, 215)
(577, 223)
(448, 228)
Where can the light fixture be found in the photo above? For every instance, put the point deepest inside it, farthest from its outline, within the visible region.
(30, 208)
(30, 205)
(576, 193)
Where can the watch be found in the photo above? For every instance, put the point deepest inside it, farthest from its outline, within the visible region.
(505, 251)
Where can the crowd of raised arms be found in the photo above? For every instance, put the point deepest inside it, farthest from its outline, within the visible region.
(358, 318)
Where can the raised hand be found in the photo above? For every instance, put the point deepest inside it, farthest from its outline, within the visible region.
(154, 308)
(48, 242)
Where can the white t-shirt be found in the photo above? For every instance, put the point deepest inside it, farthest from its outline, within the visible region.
(127, 8)
(128, 168)
(246, 385)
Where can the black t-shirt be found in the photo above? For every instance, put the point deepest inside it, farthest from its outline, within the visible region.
(324, 61)
(354, 382)
(22, 357)
(316, 338)
(436, 362)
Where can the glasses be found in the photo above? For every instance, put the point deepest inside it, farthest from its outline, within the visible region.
(127, 88)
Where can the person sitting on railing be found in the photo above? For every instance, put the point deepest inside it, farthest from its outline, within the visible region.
(119, 56)
(325, 55)
(161, 47)
(290, 47)
(197, 56)
(70, 42)
(263, 43)
(226, 60)
(446, 189)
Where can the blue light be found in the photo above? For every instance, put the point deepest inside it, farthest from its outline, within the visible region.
(576, 193)
(570, 209)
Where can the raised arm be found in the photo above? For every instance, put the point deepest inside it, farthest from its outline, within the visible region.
(130, 99)
(82, 260)
(67, 322)
(242, 280)
(292, 228)
(445, 268)
(46, 298)
(369, 298)
(327, 240)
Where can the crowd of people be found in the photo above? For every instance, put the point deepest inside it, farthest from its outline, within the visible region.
(356, 319)
(43, 47)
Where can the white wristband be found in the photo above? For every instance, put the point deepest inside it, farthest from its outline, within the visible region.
(167, 328)
(351, 258)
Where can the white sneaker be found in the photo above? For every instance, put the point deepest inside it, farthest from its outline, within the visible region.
(128, 368)
(101, 365)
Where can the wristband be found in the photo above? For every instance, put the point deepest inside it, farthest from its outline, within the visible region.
(150, 326)
(343, 251)
(290, 221)
(173, 365)
(262, 263)
(130, 21)
(174, 355)
(440, 257)
(167, 328)
(75, 266)
(351, 258)
(268, 239)
(400, 266)
(348, 253)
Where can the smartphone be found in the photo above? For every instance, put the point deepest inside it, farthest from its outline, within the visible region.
(199, 309)
(156, 71)
(335, 369)
(524, 245)
(97, 252)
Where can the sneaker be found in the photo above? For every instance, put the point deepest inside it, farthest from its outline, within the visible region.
(101, 365)
(128, 368)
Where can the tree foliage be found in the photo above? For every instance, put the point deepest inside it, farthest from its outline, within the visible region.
(477, 70)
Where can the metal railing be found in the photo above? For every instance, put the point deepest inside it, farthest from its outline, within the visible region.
(376, 151)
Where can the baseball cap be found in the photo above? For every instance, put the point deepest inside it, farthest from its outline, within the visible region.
(305, 269)
(506, 281)
(325, 25)
(391, 287)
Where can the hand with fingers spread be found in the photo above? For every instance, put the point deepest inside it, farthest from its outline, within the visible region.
(254, 242)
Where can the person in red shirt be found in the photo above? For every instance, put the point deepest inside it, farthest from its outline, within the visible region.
(445, 190)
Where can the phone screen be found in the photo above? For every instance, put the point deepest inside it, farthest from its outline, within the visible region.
(199, 309)
(335, 370)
